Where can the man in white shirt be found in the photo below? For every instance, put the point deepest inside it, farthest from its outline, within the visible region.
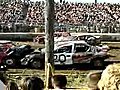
(3, 81)
(2, 86)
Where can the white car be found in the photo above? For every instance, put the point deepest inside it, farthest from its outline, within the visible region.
(72, 52)
(69, 53)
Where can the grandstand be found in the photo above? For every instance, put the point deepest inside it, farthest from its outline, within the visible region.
(22, 16)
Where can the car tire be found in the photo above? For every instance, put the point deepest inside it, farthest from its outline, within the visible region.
(10, 62)
(62, 56)
(99, 63)
(36, 64)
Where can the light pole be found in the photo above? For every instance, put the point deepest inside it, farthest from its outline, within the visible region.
(95, 1)
(49, 36)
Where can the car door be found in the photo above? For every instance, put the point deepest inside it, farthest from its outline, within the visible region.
(63, 55)
(82, 53)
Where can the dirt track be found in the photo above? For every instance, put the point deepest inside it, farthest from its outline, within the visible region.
(114, 51)
(76, 78)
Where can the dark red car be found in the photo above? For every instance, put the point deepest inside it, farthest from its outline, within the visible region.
(4, 46)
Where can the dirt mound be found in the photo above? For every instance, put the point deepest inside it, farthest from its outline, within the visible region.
(110, 79)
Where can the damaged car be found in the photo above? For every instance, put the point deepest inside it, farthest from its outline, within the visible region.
(69, 53)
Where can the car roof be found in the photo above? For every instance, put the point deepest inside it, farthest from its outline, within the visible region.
(65, 43)
(96, 36)
(69, 42)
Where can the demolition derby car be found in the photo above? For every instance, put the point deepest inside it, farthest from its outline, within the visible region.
(6, 44)
(12, 56)
(66, 36)
(58, 36)
(69, 53)
(90, 39)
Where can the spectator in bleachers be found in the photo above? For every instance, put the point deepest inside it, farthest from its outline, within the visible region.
(92, 17)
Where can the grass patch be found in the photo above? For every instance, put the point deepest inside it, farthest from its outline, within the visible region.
(75, 78)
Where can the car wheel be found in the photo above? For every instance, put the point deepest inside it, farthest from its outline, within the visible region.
(62, 58)
(98, 63)
(10, 62)
(36, 64)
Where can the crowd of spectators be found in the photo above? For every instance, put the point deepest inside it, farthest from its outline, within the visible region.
(10, 12)
(92, 17)
(98, 16)
(35, 14)
(56, 82)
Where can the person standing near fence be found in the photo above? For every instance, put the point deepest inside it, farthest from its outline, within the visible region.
(59, 82)
(32, 83)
